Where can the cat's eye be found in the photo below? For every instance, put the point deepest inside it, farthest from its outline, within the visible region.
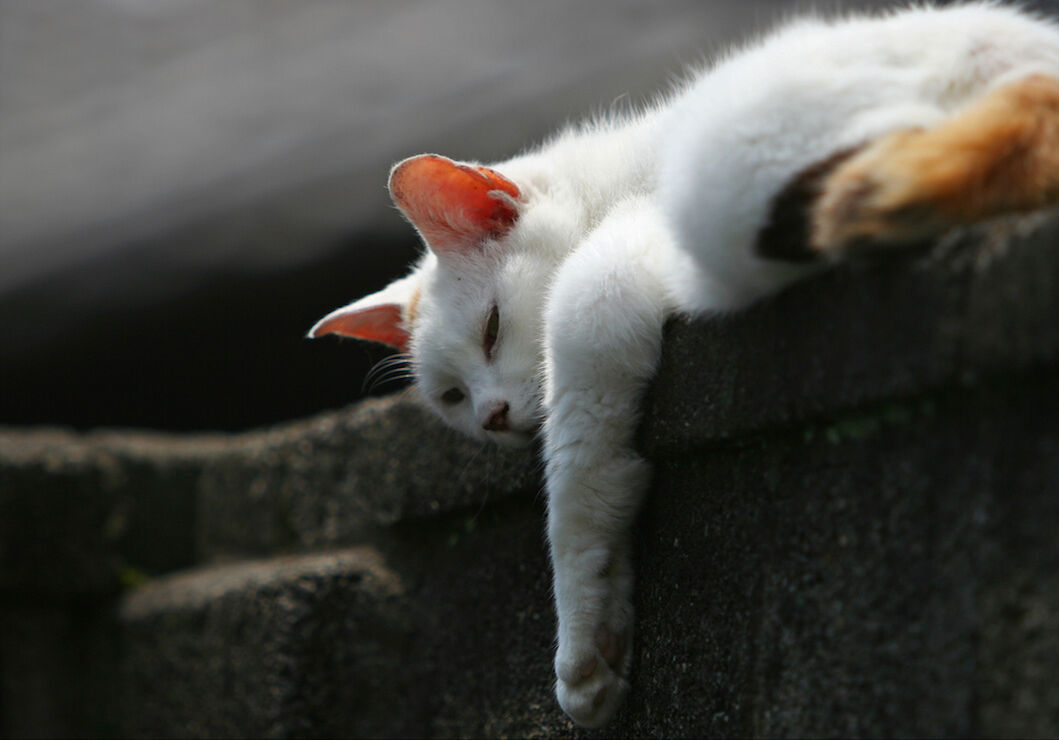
(492, 331)
(452, 396)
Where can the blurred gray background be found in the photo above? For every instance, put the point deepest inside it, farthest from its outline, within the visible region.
(186, 185)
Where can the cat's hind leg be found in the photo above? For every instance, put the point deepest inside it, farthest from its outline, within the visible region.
(999, 155)
(603, 340)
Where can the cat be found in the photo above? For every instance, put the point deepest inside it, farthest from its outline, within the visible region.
(537, 307)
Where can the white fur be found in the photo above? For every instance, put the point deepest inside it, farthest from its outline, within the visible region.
(623, 223)
(814, 88)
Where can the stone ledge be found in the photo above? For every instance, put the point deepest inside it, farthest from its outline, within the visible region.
(194, 589)
(328, 481)
(413, 638)
(87, 513)
(278, 648)
(77, 511)
(981, 302)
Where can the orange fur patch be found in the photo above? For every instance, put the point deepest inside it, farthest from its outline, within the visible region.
(411, 309)
(1000, 155)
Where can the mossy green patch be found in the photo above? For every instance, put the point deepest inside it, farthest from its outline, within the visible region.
(867, 424)
(461, 529)
(132, 577)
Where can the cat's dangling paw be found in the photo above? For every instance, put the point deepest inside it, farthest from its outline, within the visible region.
(592, 682)
(594, 657)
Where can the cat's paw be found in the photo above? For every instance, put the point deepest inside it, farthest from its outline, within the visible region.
(996, 157)
(592, 677)
(887, 193)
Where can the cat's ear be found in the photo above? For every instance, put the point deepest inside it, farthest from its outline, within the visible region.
(379, 317)
(454, 206)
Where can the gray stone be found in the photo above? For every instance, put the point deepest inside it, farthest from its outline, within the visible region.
(309, 646)
(879, 327)
(876, 574)
(443, 630)
(89, 513)
(330, 480)
(81, 513)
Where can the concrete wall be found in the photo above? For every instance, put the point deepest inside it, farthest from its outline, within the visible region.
(854, 529)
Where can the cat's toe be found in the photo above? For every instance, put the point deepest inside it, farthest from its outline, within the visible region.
(611, 646)
(591, 689)
(882, 195)
(851, 212)
(592, 699)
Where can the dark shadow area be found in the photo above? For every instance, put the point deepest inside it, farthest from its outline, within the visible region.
(229, 354)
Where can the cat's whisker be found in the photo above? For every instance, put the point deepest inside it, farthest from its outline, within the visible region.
(481, 508)
(369, 377)
(466, 467)
(392, 376)
(392, 371)
(380, 371)
(472, 458)
(386, 363)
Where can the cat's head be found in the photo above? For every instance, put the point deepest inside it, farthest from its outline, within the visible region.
(469, 314)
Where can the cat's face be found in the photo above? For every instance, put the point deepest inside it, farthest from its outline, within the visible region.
(470, 313)
(476, 346)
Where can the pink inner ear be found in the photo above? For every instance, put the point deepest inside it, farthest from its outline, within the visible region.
(376, 324)
(454, 206)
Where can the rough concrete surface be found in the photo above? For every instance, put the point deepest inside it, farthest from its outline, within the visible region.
(327, 481)
(881, 326)
(75, 510)
(80, 513)
(854, 530)
(892, 573)
(315, 645)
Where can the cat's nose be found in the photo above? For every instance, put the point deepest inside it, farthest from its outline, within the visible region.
(497, 420)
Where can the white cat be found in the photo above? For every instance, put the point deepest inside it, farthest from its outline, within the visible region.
(538, 306)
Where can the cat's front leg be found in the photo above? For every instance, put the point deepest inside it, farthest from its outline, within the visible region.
(604, 329)
(592, 503)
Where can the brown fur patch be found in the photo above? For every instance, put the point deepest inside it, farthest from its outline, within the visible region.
(1000, 155)
(785, 235)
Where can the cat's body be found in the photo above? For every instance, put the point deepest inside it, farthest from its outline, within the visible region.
(541, 300)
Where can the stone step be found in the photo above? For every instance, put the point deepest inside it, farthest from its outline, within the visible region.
(285, 647)
(83, 514)
(445, 629)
